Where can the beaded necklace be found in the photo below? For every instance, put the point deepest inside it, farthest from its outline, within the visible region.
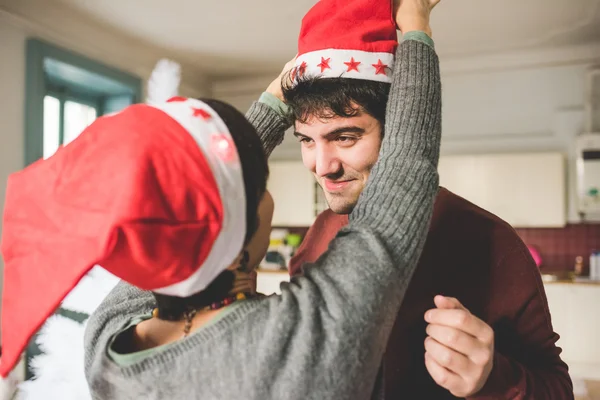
(190, 314)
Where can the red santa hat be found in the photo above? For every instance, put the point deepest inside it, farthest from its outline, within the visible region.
(154, 194)
(348, 39)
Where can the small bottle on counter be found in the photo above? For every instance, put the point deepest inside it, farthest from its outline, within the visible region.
(578, 270)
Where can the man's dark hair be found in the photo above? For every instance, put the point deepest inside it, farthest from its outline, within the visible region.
(255, 171)
(330, 97)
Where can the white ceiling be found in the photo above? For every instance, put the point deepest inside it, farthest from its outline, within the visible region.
(241, 37)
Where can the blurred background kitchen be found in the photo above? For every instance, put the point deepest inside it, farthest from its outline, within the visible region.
(521, 116)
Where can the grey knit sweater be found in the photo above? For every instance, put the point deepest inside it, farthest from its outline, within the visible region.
(324, 336)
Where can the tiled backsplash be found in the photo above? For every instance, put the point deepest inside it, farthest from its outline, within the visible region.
(559, 246)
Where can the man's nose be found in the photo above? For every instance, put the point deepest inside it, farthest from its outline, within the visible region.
(327, 161)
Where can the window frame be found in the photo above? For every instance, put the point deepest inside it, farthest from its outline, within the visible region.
(37, 87)
(63, 96)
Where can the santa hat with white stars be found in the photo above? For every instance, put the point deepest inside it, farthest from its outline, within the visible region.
(347, 39)
(154, 194)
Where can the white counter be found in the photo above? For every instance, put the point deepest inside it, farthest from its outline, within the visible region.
(575, 310)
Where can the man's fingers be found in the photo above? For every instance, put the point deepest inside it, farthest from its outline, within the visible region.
(455, 339)
(447, 302)
(462, 320)
(459, 345)
(443, 302)
(289, 65)
(452, 360)
(441, 375)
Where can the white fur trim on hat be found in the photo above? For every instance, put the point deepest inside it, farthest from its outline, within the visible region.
(230, 180)
(356, 64)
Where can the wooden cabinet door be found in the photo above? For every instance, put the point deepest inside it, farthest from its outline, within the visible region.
(574, 312)
(526, 190)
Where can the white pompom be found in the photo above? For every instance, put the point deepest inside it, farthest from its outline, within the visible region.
(59, 370)
(164, 81)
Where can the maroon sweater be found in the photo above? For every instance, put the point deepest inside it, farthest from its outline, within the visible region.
(474, 256)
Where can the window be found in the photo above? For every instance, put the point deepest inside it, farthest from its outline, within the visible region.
(51, 125)
(64, 121)
(77, 117)
(67, 92)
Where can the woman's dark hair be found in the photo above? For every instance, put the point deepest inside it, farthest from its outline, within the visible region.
(252, 158)
(324, 98)
(255, 171)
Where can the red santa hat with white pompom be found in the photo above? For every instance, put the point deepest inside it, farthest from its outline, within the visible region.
(347, 39)
(154, 194)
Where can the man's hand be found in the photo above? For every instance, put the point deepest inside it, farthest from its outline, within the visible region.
(459, 348)
(275, 86)
(413, 15)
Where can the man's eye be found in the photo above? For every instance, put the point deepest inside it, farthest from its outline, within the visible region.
(305, 140)
(345, 139)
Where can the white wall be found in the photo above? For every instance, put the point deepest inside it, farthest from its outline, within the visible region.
(12, 100)
(520, 110)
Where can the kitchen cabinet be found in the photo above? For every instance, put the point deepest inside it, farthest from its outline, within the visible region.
(293, 189)
(574, 311)
(526, 190)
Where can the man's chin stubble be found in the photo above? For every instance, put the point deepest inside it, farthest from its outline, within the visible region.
(342, 207)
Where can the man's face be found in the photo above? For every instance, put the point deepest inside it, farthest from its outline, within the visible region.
(340, 152)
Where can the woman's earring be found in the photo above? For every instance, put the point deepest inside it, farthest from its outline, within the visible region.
(244, 262)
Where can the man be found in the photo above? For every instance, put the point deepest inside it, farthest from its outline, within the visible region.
(490, 335)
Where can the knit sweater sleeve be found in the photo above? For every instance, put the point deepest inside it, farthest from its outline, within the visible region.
(324, 336)
(269, 123)
(336, 318)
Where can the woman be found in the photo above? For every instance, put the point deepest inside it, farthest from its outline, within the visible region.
(189, 221)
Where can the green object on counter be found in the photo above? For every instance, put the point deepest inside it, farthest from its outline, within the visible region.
(293, 239)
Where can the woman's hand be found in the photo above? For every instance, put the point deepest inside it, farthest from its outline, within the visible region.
(245, 282)
(413, 15)
(275, 86)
